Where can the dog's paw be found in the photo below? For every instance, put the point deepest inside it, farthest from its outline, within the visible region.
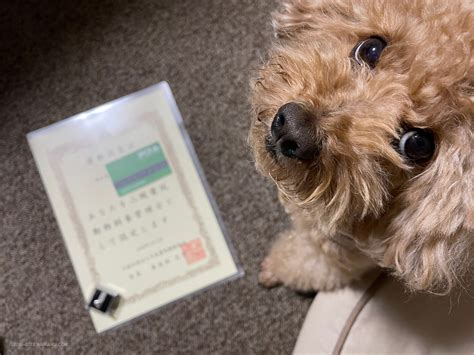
(266, 277)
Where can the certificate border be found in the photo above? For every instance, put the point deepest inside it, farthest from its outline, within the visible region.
(153, 119)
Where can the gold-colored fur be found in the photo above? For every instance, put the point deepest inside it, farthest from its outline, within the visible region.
(360, 204)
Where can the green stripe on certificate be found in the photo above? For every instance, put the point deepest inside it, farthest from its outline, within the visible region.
(138, 169)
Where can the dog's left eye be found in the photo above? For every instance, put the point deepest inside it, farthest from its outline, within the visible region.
(417, 145)
(369, 51)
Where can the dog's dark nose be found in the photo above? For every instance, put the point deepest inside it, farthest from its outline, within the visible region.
(293, 132)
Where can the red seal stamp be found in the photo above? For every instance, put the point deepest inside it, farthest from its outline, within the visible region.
(193, 251)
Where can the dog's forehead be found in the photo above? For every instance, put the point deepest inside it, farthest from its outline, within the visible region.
(351, 19)
(297, 17)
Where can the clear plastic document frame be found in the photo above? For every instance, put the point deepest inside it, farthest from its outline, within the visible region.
(133, 206)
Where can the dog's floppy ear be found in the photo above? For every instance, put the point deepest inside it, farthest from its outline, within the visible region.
(294, 16)
(430, 241)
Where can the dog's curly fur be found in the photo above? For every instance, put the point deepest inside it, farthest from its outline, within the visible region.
(360, 203)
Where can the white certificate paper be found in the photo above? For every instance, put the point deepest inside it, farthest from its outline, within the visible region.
(132, 204)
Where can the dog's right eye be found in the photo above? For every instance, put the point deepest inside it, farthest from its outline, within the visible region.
(369, 51)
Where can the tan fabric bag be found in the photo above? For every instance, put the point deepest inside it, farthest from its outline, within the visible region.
(376, 316)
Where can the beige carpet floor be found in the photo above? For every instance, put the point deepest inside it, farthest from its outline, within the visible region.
(59, 58)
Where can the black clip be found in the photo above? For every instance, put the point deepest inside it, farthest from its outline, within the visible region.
(104, 301)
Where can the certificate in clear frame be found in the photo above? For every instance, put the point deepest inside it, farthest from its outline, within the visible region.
(133, 206)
